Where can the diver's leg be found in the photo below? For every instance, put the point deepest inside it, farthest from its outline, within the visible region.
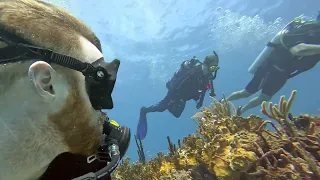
(274, 81)
(160, 106)
(254, 103)
(177, 108)
(252, 87)
(142, 128)
(239, 95)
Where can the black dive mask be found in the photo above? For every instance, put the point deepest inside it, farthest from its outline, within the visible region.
(100, 76)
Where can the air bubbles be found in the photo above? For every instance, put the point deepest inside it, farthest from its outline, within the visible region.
(233, 30)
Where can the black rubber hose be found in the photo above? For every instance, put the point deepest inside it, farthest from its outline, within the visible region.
(115, 159)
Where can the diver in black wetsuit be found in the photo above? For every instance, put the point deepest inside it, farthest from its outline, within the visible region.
(294, 50)
(191, 81)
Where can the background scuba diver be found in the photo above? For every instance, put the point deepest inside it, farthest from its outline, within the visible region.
(191, 81)
(295, 49)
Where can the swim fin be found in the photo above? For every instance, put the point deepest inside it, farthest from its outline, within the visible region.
(142, 128)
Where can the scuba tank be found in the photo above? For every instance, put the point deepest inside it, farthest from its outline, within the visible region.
(266, 54)
(296, 32)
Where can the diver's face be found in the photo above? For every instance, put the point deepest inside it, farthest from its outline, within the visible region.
(79, 124)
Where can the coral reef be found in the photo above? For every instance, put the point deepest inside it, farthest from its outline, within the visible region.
(226, 147)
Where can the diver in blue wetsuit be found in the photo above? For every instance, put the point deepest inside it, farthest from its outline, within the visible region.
(294, 50)
(191, 81)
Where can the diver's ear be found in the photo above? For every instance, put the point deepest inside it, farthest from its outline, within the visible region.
(42, 75)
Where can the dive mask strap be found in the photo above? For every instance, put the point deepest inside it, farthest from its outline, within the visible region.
(36, 52)
(88, 70)
(72, 63)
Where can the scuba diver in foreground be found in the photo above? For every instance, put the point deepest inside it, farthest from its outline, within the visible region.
(191, 81)
(54, 84)
(294, 50)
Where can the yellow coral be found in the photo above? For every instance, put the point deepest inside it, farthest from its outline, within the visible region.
(221, 168)
(241, 159)
(167, 167)
(187, 160)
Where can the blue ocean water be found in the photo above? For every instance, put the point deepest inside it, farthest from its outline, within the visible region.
(152, 38)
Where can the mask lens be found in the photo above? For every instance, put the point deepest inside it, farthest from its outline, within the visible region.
(99, 91)
(213, 68)
(99, 94)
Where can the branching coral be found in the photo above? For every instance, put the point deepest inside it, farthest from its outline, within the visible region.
(222, 108)
(232, 147)
(304, 145)
(280, 113)
(142, 157)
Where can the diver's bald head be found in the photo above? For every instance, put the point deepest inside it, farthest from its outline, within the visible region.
(47, 26)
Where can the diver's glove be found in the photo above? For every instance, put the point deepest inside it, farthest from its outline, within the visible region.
(199, 105)
(212, 94)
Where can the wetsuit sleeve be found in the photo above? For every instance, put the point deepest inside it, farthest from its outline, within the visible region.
(212, 93)
(214, 76)
(202, 94)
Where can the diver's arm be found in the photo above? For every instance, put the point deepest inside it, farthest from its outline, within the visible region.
(303, 49)
(202, 94)
(315, 48)
(212, 93)
(214, 76)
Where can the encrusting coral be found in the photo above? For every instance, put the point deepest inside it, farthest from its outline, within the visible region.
(232, 147)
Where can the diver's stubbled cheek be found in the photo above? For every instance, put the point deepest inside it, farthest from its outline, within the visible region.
(95, 121)
(101, 123)
(101, 119)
